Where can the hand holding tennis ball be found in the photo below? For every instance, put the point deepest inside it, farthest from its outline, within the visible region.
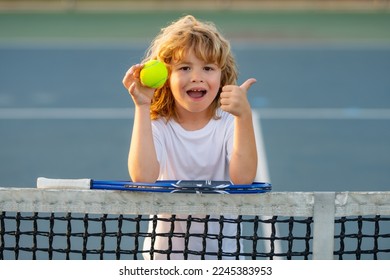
(154, 74)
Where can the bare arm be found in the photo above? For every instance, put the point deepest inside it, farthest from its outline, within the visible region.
(142, 161)
(243, 163)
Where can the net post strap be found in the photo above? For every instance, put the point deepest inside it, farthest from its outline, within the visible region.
(323, 231)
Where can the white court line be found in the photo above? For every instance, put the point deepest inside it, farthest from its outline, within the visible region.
(262, 168)
(127, 113)
(27, 114)
(66, 113)
(262, 175)
(324, 113)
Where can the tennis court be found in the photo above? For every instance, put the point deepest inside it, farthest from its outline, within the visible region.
(312, 96)
(322, 97)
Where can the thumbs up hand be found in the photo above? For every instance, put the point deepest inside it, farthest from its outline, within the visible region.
(234, 99)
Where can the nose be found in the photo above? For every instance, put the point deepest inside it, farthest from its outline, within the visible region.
(197, 76)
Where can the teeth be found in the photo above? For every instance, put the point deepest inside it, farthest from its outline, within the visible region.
(196, 93)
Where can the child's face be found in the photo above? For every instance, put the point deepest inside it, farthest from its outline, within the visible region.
(194, 83)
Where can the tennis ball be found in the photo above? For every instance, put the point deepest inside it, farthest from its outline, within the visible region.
(154, 74)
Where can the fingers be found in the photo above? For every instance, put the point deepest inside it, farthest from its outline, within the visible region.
(140, 94)
(233, 98)
(247, 84)
(131, 75)
(131, 88)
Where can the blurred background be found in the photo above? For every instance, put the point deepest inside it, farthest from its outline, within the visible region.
(322, 97)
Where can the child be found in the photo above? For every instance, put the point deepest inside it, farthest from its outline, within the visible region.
(198, 126)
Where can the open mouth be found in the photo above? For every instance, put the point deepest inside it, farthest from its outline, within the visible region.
(196, 93)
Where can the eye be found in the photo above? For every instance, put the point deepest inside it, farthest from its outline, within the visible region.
(185, 68)
(210, 67)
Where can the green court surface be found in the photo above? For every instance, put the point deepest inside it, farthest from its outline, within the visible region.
(263, 26)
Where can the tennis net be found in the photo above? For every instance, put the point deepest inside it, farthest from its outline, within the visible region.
(99, 224)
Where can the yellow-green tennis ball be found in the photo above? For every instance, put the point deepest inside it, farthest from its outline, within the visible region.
(154, 74)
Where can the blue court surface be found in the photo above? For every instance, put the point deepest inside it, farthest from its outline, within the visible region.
(322, 104)
(322, 100)
(324, 112)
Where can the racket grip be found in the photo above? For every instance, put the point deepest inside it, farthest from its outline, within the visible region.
(47, 183)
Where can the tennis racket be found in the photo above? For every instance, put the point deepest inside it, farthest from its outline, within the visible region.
(167, 186)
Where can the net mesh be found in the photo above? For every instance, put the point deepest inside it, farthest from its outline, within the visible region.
(363, 237)
(34, 225)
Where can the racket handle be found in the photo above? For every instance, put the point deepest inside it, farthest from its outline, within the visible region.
(47, 183)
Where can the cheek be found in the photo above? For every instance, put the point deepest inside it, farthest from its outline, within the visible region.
(174, 80)
(218, 81)
(221, 80)
(175, 86)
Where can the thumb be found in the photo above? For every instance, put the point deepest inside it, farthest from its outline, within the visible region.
(248, 83)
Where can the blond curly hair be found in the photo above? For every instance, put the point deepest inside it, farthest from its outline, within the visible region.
(172, 44)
